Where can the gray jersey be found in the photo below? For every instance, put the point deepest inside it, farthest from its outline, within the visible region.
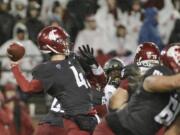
(66, 81)
(147, 112)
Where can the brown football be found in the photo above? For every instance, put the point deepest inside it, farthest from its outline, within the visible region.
(15, 51)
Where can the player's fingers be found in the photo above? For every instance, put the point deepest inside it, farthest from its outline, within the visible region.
(88, 48)
(84, 48)
(92, 51)
(81, 51)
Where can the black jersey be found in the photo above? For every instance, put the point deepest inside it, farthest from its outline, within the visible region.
(55, 115)
(66, 81)
(147, 112)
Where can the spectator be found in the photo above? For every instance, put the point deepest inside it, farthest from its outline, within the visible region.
(47, 7)
(176, 4)
(33, 24)
(167, 18)
(78, 10)
(149, 30)
(93, 36)
(57, 13)
(125, 6)
(133, 24)
(108, 16)
(32, 55)
(69, 20)
(175, 35)
(6, 22)
(127, 48)
(122, 40)
(19, 9)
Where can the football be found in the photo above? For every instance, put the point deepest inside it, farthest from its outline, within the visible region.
(15, 51)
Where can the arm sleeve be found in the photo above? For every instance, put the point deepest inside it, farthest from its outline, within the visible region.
(97, 73)
(25, 85)
(100, 76)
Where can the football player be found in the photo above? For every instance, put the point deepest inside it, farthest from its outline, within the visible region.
(113, 69)
(50, 123)
(170, 57)
(154, 104)
(147, 56)
(63, 78)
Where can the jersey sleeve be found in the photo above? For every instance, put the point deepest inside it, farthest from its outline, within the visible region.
(97, 73)
(43, 73)
(158, 70)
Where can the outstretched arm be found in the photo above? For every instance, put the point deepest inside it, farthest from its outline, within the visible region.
(87, 59)
(157, 83)
(25, 85)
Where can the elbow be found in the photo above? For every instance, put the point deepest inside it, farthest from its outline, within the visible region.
(26, 89)
(31, 88)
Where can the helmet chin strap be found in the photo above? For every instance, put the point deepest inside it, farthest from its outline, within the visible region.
(52, 49)
(67, 52)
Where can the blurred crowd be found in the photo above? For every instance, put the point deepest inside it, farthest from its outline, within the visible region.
(111, 27)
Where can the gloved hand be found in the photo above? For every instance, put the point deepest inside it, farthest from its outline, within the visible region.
(88, 55)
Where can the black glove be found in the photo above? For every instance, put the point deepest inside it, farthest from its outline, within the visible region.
(87, 54)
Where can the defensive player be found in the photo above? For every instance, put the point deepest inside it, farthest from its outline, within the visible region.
(64, 79)
(113, 69)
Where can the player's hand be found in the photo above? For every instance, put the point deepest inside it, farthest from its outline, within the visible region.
(88, 55)
(14, 63)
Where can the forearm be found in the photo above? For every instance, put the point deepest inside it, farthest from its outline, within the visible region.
(118, 99)
(162, 83)
(98, 72)
(25, 85)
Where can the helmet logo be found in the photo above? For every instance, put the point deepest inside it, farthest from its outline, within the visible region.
(174, 52)
(53, 36)
(139, 48)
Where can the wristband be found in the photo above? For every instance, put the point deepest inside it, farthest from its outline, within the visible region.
(97, 70)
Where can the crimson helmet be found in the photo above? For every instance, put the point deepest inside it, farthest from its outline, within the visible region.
(53, 39)
(147, 56)
(170, 57)
(147, 53)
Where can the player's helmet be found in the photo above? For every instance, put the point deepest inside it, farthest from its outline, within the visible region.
(53, 39)
(170, 57)
(147, 54)
(113, 64)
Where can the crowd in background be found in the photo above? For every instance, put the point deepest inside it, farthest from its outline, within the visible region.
(111, 27)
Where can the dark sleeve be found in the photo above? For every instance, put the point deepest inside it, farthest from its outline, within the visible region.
(158, 70)
(97, 97)
(43, 73)
(100, 78)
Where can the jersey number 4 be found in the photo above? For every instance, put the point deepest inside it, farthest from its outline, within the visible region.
(56, 106)
(80, 80)
(169, 113)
